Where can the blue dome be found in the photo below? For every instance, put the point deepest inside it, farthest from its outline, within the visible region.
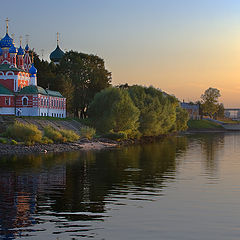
(6, 42)
(27, 48)
(20, 51)
(12, 49)
(1, 51)
(33, 70)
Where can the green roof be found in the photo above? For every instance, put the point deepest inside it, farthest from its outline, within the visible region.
(6, 67)
(33, 90)
(39, 90)
(5, 91)
(54, 93)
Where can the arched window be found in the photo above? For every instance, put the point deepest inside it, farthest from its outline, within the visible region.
(24, 101)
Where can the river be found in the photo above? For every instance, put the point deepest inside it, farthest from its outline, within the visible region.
(185, 188)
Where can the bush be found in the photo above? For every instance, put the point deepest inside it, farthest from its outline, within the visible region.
(87, 132)
(46, 140)
(62, 135)
(3, 140)
(13, 142)
(69, 135)
(24, 132)
(53, 134)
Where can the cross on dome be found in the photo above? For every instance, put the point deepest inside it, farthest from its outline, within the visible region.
(7, 21)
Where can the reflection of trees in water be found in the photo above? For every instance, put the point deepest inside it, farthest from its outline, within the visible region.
(211, 145)
(89, 183)
(80, 182)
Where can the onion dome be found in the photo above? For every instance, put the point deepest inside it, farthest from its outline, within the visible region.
(20, 51)
(27, 48)
(12, 49)
(6, 42)
(56, 55)
(32, 70)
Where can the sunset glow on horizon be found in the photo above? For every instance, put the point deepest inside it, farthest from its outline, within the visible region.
(180, 46)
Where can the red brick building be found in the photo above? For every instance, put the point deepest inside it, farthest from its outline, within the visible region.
(19, 93)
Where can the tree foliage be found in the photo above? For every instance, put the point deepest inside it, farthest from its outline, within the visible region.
(78, 77)
(210, 101)
(88, 76)
(112, 110)
(220, 111)
(136, 110)
(182, 118)
(157, 110)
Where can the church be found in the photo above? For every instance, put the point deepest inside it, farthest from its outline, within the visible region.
(19, 93)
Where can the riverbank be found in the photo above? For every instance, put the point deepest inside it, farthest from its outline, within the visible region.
(81, 145)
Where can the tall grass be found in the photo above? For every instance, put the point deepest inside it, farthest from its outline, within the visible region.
(24, 132)
(87, 132)
(63, 135)
(53, 134)
(70, 135)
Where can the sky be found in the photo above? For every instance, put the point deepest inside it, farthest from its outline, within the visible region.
(180, 46)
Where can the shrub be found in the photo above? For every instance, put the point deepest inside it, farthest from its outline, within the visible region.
(62, 135)
(53, 134)
(24, 132)
(46, 140)
(69, 135)
(13, 142)
(3, 140)
(87, 132)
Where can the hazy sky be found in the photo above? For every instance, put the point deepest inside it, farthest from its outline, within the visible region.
(180, 46)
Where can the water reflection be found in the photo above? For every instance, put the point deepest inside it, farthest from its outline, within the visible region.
(212, 145)
(77, 186)
(71, 191)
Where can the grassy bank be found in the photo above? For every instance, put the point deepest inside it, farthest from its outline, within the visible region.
(29, 131)
(203, 124)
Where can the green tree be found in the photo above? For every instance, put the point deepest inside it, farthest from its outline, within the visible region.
(210, 101)
(182, 118)
(88, 76)
(157, 110)
(112, 110)
(220, 111)
(47, 73)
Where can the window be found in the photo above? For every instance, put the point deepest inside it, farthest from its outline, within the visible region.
(54, 103)
(7, 101)
(25, 101)
(41, 101)
(57, 103)
(44, 102)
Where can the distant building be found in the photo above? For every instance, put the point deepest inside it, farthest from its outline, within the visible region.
(192, 109)
(19, 93)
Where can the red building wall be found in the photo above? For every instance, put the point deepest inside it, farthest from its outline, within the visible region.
(3, 102)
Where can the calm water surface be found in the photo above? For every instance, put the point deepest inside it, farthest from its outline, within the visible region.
(185, 187)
